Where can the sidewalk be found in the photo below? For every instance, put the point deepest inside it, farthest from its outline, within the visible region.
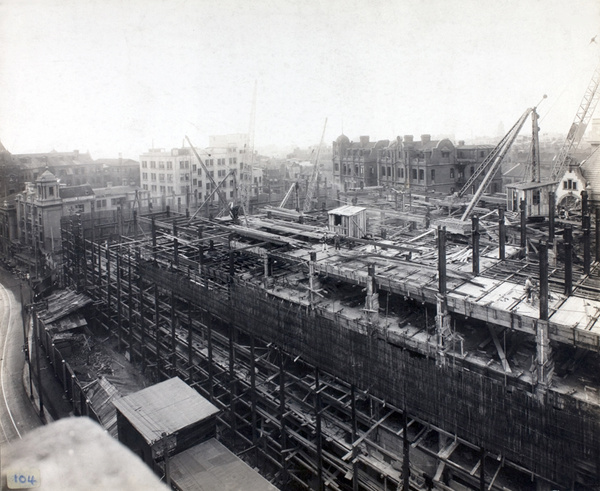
(55, 405)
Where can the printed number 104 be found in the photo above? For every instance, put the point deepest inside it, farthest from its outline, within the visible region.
(23, 480)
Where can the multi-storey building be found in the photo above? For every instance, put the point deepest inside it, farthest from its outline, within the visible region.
(10, 179)
(421, 166)
(167, 175)
(428, 165)
(468, 159)
(70, 168)
(35, 239)
(8, 228)
(390, 164)
(355, 163)
(176, 177)
(39, 209)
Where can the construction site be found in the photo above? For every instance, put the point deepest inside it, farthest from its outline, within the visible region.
(379, 343)
(417, 360)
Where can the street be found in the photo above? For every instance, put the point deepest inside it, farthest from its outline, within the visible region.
(17, 414)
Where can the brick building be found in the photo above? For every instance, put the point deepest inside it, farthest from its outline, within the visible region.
(355, 163)
(423, 166)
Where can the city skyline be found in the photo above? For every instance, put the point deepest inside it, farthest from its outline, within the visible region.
(121, 77)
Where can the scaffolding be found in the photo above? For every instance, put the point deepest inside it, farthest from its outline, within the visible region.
(317, 398)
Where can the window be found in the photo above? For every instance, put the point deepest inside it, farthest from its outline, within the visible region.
(231, 194)
(161, 177)
(472, 170)
(144, 164)
(414, 174)
(401, 172)
(337, 166)
(145, 187)
(169, 177)
(445, 154)
(195, 182)
(153, 177)
(169, 165)
(536, 197)
(154, 187)
(153, 165)
(170, 189)
(421, 174)
(114, 201)
(199, 172)
(433, 175)
(389, 171)
(482, 154)
(161, 165)
(451, 173)
(194, 167)
(162, 190)
(383, 171)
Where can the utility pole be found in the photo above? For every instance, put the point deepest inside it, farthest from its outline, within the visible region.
(25, 339)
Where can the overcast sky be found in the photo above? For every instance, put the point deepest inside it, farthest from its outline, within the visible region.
(114, 76)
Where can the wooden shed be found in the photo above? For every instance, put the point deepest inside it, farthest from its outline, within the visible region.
(165, 417)
(534, 193)
(348, 220)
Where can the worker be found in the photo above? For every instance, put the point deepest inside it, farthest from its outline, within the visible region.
(324, 242)
(336, 241)
(528, 288)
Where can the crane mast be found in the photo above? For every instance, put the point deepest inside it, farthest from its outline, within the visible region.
(217, 188)
(582, 118)
(312, 183)
(246, 166)
(492, 163)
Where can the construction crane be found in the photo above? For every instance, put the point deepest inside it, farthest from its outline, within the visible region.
(491, 164)
(293, 187)
(582, 118)
(243, 193)
(533, 167)
(312, 183)
(217, 188)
